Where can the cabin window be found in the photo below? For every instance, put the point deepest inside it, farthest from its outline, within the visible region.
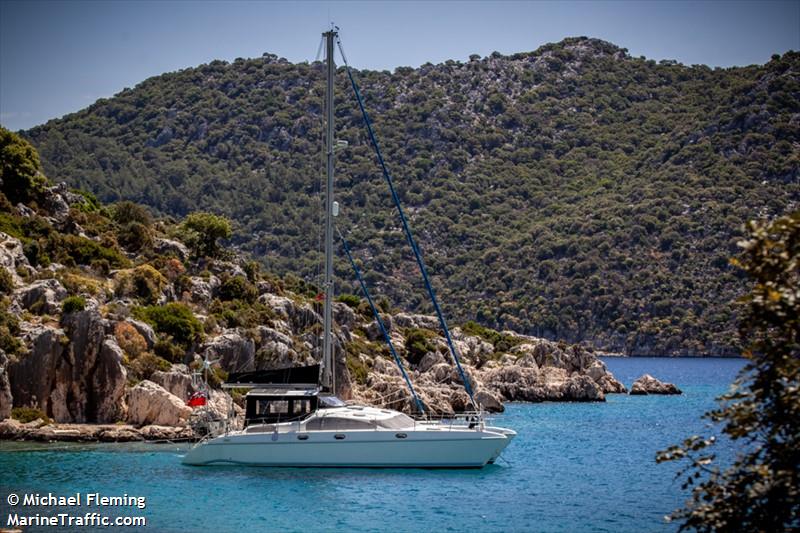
(332, 423)
(398, 421)
(330, 401)
(301, 406)
(272, 407)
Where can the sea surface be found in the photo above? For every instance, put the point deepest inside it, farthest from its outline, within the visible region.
(573, 467)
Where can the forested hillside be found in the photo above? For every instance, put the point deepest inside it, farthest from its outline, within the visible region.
(574, 192)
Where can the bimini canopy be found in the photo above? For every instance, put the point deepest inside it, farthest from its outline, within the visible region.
(299, 377)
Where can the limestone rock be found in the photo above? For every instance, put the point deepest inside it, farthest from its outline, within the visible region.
(34, 377)
(488, 401)
(149, 403)
(119, 434)
(235, 352)
(343, 315)
(226, 267)
(108, 382)
(373, 330)
(73, 374)
(220, 404)
(155, 432)
(6, 399)
(10, 428)
(144, 330)
(600, 374)
(170, 247)
(429, 360)
(268, 334)
(407, 320)
(202, 290)
(275, 354)
(12, 257)
(177, 381)
(647, 384)
(42, 296)
(583, 389)
(300, 317)
(24, 210)
(56, 203)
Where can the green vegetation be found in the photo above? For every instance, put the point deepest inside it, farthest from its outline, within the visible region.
(29, 414)
(73, 304)
(9, 330)
(203, 230)
(351, 300)
(760, 490)
(144, 282)
(20, 170)
(74, 249)
(173, 319)
(6, 281)
(573, 192)
(168, 351)
(128, 212)
(143, 367)
(502, 343)
(130, 340)
(418, 343)
(358, 370)
(237, 288)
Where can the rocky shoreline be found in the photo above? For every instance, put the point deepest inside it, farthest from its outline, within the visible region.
(40, 431)
(110, 355)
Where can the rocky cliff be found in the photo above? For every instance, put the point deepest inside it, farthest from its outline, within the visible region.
(105, 314)
(572, 192)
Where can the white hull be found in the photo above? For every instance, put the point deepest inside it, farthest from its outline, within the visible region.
(422, 447)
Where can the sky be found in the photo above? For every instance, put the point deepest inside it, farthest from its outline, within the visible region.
(57, 57)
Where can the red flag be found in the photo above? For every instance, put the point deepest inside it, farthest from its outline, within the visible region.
(197, 399)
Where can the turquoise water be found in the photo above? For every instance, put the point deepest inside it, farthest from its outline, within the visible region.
(573, 467)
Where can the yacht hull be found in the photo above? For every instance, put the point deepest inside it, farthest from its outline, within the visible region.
(350, 449)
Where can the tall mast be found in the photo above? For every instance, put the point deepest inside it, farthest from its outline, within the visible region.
(328, 371)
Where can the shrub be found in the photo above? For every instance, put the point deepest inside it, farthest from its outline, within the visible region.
(135, 236)
(6, 281)
(351, 300)
(9, 331)
(501, 342)
(358, 370)
(83, 251)
(237, 313)
(29, 414)
(173, 268)
(34, 253)
(144, 366)
(130, 340)
(418, 343)
(173, 319)
(72, 304)
(203, 230)
(253, 271)
(19, 161)
(183, 284)
(237, 288)
(101, 267)
(128, 212)
(144, 282)
(167, 350)
(90, 202)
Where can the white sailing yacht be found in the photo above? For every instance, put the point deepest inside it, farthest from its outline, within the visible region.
(293, 419)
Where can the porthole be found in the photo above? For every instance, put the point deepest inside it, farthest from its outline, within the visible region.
(400, 435)
(338, 436)
(302, 437)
